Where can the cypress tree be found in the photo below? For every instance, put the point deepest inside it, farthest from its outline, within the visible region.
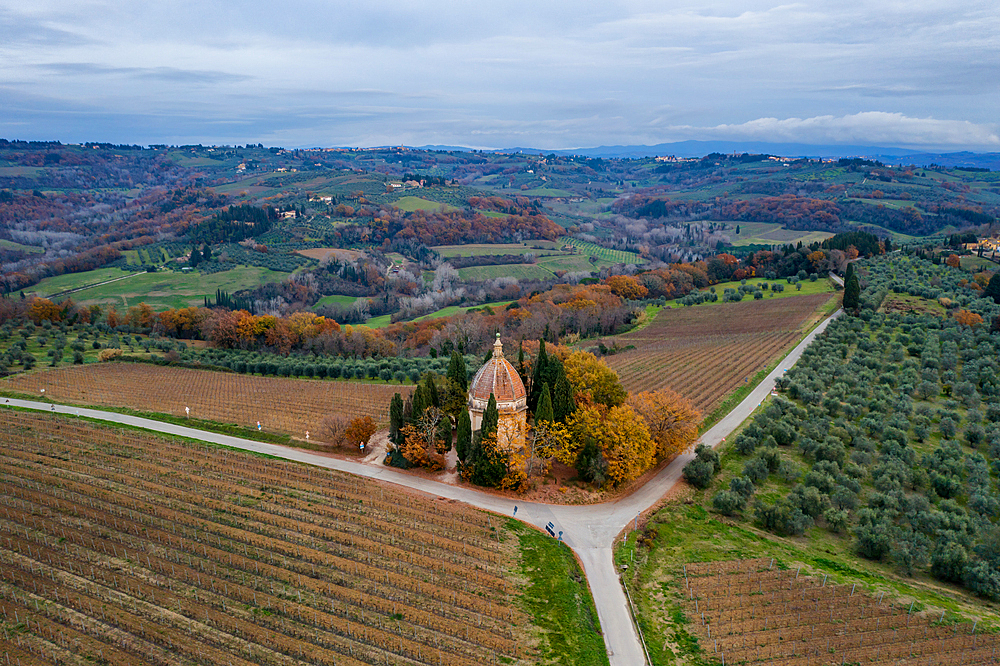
(463, 438)
(457, 372)
(430, 391)
(443, 434)
(849, 272)
(521, 371)
(491, 418)
(544, 411)
(536, 376)
(564, 402)
(993, 288)
(395, 417)
(421, 401)
(852, 292)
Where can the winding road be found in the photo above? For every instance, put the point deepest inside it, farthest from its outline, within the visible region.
(590, 530)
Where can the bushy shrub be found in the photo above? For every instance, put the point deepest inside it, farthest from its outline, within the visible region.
(728, 502)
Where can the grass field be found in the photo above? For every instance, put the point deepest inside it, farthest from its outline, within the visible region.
(706, 353)
(411, 203)
(289, 406)
(30, 249)
(822, 285)
(161, 290)
(335, 299)
(478, 250)
(123, 548)
(764, 233)
(977, 264)
(546, 192)
(384, 320)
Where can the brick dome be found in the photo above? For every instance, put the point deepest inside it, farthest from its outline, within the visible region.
(498, 377)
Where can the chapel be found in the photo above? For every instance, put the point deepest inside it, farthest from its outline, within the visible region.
(500, 378)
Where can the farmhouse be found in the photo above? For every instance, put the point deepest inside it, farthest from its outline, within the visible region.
(499, 378)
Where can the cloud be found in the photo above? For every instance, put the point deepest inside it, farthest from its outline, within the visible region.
(169, 74)
(868, 127)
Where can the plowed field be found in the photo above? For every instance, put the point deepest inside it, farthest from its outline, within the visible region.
(290, 406)
(705, 353)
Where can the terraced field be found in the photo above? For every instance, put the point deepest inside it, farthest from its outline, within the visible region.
(705, 353)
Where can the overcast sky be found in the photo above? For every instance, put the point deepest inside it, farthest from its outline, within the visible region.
(913, 73)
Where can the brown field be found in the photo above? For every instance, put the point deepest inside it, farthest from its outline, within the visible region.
(290, 406)
(321, 253)
(750, 612)
(119, 547)
(704, 353)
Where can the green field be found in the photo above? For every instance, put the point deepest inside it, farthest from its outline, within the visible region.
(410, 204)
(11, 245)
(608, 255)
(482, 249)
(765, 233)
(821, 286)
(383, 320)
(546, 192)
(978, 264)
(162, 290)
(335, 299)
(20, 171)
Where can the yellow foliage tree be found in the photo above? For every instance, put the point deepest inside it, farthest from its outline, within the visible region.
(627, 286)
(549, 440)
(591, 377)
(621, 434)
(626, 444)
(672, 420)
(42, 309)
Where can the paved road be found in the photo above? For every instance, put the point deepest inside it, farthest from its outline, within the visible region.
(589, 530)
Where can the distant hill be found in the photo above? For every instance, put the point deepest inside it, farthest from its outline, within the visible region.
(888, 155)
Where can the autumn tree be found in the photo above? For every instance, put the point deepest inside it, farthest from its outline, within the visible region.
(627, 286)
(359, 431)
(592, 378)
(421, 443)
(42, 309)
(548, 441)
(621, 436)
(954, 261)
(672, 420)
(966, 318)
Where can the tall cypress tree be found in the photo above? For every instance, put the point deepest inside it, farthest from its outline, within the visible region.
(491, 418)
(395, 417)
(457, 372)
(852, 292)
(521, 370)
(544, 411)
(541, 361)
(421, 401)
(463, 438)
(563, 402)
(430, 390)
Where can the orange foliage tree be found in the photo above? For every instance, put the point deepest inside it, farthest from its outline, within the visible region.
(672, 420)
(627, 286)
(966, 318)
(953, 261)
(43, 309)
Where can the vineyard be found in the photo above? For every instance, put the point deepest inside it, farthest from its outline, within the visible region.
(705, 353)
(595, 250)
(290, 406)
(753, 612)
(120, 547)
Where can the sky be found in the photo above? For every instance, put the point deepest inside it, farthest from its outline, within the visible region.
(922, 74)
